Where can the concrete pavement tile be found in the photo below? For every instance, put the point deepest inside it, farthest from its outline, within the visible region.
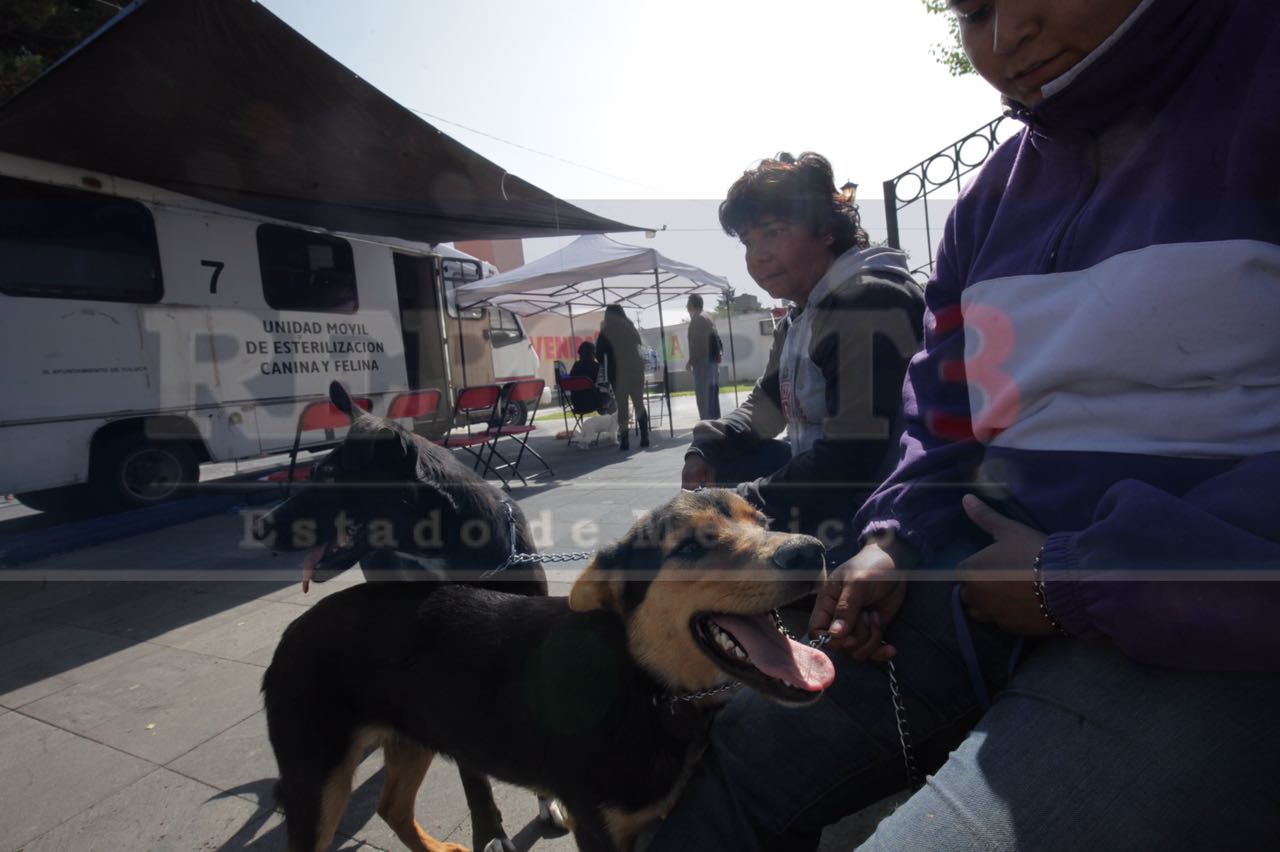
(155, 609)
(14, 627)
(56, 657)
(105, 597)
(159, 706)
(238, 760)
(225, 610)
(251, 635)
(32, 597)
(262, 656)
(51, 774)
(248, 582)
(165, 811)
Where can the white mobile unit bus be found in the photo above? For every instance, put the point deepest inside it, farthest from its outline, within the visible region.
(143, 332)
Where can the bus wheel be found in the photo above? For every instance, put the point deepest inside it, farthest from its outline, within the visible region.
(134, 471)
(517, 414)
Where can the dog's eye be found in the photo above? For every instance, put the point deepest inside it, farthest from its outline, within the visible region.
(689, 550)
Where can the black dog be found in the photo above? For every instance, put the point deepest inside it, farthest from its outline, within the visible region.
(600, 699)
(403, 508)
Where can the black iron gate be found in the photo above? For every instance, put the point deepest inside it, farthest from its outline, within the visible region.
(936, 172)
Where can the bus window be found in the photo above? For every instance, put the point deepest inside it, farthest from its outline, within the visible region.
(304, 271)
(503, 328)
(457, 272)
(68, 244)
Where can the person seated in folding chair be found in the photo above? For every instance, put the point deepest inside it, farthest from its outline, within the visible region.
(597, 399)
(593, 406)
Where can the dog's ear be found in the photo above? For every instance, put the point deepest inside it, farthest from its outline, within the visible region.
(597, 587)
(426, 481)
(341, 399)
(425, 471)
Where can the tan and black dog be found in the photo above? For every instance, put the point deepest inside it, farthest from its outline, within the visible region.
(590, 698)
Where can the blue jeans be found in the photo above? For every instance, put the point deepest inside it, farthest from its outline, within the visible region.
(706, 389)
(774, 776)
(1086, 749)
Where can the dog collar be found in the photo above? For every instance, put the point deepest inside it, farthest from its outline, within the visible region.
(684, 719)
(672, 700)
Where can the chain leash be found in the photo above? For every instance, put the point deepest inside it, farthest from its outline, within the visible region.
(514, 558)
(899, 709)
(904, 732)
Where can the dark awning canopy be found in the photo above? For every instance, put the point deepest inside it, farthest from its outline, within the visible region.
(221, 100)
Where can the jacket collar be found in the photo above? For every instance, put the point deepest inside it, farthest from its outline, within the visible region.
(1135, 71)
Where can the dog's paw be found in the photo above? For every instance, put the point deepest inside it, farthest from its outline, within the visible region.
(553, 811)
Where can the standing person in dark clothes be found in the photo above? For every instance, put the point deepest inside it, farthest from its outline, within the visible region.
(704, 359)
(834, 377)
(618, 346)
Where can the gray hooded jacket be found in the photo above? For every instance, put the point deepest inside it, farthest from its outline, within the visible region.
(834, 384)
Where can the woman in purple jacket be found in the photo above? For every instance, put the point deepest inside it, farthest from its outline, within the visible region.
(1092, 448)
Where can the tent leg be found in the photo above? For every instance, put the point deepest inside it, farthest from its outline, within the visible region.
(733, 356)
(662, 339)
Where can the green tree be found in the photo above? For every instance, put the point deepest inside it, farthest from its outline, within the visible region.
(949, 54)
(742, 303)
(34, 34)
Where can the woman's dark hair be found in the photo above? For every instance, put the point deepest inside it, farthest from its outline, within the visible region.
(794, 190)
(586, 351)
(614, 313)
(618, 328)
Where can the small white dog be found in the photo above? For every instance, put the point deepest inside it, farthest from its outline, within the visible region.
(600, 430)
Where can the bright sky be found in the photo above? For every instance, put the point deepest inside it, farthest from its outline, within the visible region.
(603, 103)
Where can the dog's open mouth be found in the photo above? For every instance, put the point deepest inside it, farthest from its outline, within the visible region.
(331, 558)
(755, 650)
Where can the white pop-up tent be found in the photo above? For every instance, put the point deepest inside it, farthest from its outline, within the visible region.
(591, 273)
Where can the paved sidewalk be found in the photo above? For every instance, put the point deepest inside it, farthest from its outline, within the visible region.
(130, 713)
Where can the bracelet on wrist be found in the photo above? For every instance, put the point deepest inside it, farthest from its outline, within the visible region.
(1037, 583)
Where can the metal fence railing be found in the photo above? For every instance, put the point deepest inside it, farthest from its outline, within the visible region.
(927, 178)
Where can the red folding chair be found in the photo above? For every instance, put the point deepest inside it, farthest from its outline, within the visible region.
(416, 405)
(528, 392)
(319, 415)
(483, 400)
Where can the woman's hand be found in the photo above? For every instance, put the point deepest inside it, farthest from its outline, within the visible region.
(861, 597)
(998, 579)
(697, 473)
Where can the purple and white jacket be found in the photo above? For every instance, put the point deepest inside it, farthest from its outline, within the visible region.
(1103, 338)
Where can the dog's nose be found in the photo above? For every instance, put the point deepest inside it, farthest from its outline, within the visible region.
(804, 553)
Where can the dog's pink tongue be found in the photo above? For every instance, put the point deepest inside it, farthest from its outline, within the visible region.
(778, 656)
(309, 566)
